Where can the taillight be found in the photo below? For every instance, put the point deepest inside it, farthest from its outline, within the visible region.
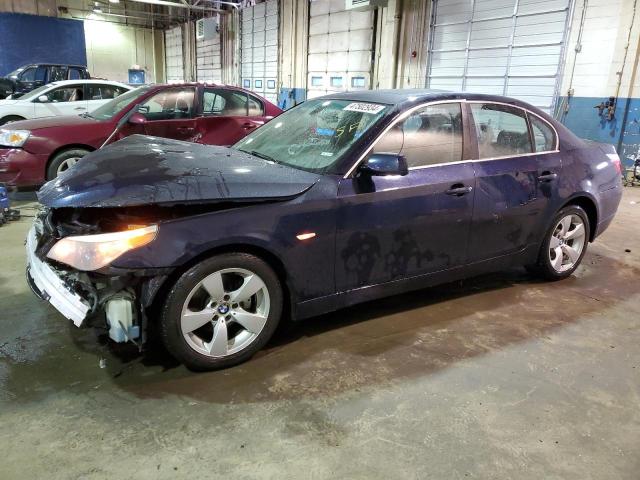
(615, 159)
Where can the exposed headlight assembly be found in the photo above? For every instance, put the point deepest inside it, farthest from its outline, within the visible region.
(13, 138)
(91, 252)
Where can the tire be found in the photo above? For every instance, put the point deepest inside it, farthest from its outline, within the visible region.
(10, 118)
(573, 245)
(62, 160)
(201, 327)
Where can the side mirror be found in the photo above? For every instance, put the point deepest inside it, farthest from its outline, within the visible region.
(137, 119)
(380, 164)
(43, 99)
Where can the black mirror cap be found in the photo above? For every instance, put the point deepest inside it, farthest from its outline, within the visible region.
(381, 164)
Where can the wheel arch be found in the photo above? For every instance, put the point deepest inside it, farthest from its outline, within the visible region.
(588, 204)
(66, 147)
(12, 117)
(273, 260)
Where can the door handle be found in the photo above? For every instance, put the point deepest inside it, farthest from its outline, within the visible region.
(79, 108)
(458, 190)
(547, 176)
(249, 125)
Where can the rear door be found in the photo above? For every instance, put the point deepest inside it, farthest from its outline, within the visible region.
(169, 114)
(397, 227)
(515, 184)
(227, 115)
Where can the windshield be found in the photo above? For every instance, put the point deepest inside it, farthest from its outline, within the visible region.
(314, 135)
(36, 93)
(115, 106)
(15, 73)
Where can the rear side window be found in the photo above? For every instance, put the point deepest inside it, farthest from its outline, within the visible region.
(430, 135)
(502, 130)
(543, 135)
(232, 103)
(103, 91)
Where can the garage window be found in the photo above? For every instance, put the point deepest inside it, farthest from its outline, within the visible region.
(502, 130)
(431, 135)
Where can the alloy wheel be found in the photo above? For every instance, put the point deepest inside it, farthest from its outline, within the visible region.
(567, 242)
(67, 164)
(225, 312)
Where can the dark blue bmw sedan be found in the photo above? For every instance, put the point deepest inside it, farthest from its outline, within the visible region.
(340, 200)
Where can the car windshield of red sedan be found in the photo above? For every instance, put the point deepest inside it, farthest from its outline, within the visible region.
(314, 135)
(113, 107)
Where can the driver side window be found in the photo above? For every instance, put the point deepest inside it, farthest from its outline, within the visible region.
(72, 93)
(169, 105)
(430, 135)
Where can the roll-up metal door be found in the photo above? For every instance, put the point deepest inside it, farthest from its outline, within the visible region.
(209, 59)
(174, 55)
(503, 47)
(259, 49)
(340, 48)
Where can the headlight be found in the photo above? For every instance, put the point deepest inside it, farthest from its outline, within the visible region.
(91, 252)
(13, 138)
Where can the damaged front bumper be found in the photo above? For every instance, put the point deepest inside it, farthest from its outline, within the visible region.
(49, 286)
(115, 301)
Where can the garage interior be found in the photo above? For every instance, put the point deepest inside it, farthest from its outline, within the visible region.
(498, 376)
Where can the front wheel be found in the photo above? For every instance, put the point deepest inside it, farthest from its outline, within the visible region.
(63, 161)
(221, 311)
(564, 245)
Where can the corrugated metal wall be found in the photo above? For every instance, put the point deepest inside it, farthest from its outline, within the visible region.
(340, 48)
(209, 59)
(504, 47)
(174, 55)
(259, 49)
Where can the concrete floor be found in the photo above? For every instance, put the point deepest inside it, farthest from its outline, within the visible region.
(497, 377)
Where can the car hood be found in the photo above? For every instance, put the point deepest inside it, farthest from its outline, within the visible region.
(49, 122)
(143, 170)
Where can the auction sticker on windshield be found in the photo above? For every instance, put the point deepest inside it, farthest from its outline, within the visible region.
(371, 108)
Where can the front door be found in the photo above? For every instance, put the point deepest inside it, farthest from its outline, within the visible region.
(227, 115)
(66, 100)
(515, 180)
(396, 227)
(169, 114)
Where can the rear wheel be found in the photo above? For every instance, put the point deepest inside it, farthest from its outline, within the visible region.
(221, 311)
(63, 161)
(10, 118)
(564, 245)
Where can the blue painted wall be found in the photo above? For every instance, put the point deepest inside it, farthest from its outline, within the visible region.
(31, 39)
(583, 120)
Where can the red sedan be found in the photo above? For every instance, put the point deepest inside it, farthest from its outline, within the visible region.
(33, 151)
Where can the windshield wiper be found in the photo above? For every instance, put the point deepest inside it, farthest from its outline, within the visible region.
(262, 156)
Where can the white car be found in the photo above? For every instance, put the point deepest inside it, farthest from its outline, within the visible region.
(67, 97)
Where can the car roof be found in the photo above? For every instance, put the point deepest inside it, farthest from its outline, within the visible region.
(59, 83)
(407, 97)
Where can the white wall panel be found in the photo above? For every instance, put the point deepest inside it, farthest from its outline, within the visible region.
(259, 49)
(209, 59)
(340, 48)
(504, 47)
(174, 55)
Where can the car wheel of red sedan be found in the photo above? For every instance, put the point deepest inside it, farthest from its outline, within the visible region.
(221, 311)
(63, 161)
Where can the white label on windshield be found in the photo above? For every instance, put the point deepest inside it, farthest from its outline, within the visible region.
(371, 108)
(326, 154)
